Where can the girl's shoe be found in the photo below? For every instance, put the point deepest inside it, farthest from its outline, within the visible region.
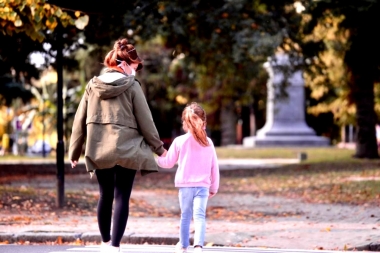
(198, 250)
(180, 249)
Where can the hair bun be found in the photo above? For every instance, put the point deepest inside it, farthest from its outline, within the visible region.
(121, 44)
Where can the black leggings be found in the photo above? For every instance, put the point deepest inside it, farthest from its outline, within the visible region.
(115, 183)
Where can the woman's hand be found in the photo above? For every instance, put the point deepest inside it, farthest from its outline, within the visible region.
(73, 163)
(164, 154)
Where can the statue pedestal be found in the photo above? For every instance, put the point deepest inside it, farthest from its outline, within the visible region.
(285, 124)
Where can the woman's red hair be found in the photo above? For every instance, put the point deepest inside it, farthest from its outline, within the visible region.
(122, 51)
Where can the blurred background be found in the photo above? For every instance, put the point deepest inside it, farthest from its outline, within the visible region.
(209, 52)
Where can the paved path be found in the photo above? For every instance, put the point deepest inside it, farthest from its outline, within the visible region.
(287, 223)
(146, 248)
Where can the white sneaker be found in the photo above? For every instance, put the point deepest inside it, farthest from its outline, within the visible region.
(106, 247)
(198, 250)
(180, 249)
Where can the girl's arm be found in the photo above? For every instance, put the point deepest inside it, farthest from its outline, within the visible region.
(214, 174)
(171, 157)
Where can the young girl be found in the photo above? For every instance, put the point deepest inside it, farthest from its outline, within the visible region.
(197, 176)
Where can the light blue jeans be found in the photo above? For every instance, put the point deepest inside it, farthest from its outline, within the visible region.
(193, 203)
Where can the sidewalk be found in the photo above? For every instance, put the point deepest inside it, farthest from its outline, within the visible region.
(282, 223)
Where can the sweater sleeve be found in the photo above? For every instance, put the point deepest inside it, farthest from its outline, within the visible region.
(79, 130)
(171, 157)
(145, 121)
(215, 176)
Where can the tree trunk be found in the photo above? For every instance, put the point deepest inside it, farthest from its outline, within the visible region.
(363, 95)
(362, 63)
(228, 124)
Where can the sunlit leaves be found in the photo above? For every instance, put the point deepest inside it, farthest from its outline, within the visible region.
(34, 16)
(81, 22)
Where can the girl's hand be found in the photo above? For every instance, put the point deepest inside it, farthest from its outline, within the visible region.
(211, 194)
(74, 164)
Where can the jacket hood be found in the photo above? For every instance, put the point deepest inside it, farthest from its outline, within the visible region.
(111, 84)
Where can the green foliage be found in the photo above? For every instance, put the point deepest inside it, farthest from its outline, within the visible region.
(32, 17)
(224, 44)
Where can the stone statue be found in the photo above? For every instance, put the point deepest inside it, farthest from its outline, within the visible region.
(285, 118)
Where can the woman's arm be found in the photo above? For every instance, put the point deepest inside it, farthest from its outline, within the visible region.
(79, 130)
(145, 121)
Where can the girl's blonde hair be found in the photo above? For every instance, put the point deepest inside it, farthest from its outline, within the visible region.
(195, 119)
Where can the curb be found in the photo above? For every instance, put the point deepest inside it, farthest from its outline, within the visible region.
(71, 237)
(368, 247)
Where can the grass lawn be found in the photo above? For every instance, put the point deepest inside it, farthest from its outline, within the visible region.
(314, 154)
(329, 175)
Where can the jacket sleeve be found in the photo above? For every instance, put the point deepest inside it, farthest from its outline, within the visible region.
(79, 131)
(145, 121)
(215, 175)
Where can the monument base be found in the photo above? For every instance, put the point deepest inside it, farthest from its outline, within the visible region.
(275, 141)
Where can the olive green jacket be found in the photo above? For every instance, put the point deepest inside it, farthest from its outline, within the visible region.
(115, 122)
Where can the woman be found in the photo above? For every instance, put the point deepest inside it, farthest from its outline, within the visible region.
(114, 118)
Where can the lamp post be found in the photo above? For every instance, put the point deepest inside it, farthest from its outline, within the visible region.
(60, 144)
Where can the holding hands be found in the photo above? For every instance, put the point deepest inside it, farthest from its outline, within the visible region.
(164, 154)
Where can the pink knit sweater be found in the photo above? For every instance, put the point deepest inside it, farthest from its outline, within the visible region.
(197, 165)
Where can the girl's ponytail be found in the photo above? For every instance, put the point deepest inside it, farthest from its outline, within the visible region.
(195, 118)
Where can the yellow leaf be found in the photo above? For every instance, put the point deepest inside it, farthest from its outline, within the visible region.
(58, 12)
(18, 23)
(51, 23)
(81, 22)
(32, 10)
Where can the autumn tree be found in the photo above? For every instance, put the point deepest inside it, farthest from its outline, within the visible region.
(361, 58)
(224, 45)
(24, 25)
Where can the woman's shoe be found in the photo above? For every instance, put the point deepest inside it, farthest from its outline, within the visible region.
(105, 247)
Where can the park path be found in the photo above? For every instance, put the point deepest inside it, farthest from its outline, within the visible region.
(236, 219)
